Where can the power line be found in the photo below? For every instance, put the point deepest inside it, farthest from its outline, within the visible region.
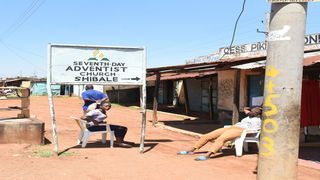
(236, 24)
(23, 50)
(208, 41)
(20, 57)
(32, 8)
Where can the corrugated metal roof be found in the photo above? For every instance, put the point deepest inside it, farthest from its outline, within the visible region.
(252, 65)
(309, 61)
(180, 75)
(209, 68)
(206, 65)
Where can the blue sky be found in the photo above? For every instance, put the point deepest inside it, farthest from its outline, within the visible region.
(172, 30)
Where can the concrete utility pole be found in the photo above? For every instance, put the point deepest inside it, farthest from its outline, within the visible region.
(279, 143)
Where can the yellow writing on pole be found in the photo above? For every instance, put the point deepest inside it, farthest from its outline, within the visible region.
(268, 103)
(271, 71)
(268, 146)
(274, 128)
(270, 86)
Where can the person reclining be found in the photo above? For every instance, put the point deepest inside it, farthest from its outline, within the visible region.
(98, 116)
(222, 135)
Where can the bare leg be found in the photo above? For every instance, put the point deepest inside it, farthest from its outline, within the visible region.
(191, 150)
(119, 142)
(208, 154)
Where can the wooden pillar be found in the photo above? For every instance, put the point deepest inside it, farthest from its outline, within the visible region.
(236, 88)
(155, 99)
(235, 114)
(25, 103)
(210, 101)
(186, 96)
(118, 94)
(236, 96)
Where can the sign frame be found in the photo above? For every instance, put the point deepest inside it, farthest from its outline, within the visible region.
(142, 86)
(143, 63)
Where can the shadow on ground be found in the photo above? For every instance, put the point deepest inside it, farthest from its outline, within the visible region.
(197, 126)
(148, 145)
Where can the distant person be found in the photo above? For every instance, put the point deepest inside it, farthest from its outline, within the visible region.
(91, 96)
(222, 135)
(98, 116)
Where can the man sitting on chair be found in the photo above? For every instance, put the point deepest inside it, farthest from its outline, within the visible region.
(222, 135)
(98, 116)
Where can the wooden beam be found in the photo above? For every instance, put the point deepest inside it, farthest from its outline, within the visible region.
(236, 88)
(210, 100)
(185, 89)
(235, 108)
(25, 103)
(155, 100)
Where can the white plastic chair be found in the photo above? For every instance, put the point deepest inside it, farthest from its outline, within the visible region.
(242, 141)
(85, 133)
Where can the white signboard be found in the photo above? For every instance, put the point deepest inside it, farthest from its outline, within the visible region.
(76, 64)
(201, 59)
(258, 49)
(245, 50)
(290, 1)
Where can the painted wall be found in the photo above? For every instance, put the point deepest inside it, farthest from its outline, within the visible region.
(225, 89)
(40, 89)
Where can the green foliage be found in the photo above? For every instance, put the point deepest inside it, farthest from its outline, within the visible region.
(46, 153)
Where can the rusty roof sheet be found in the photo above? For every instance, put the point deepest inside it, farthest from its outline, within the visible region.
(309, 61)
(238, 63)
(206, 65)
(252, 65)
(180, 75)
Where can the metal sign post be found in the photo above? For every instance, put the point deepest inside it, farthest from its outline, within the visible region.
(143, 104)
(51, 106)
(103, 65)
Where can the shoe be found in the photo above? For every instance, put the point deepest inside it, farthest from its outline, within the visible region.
(123, 145)
(201, 158)
(184, 153)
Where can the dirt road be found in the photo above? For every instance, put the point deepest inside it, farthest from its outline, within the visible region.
(96, 161)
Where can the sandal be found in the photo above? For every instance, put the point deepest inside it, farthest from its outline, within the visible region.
(123, 145)
(185, 153)
(201, 158)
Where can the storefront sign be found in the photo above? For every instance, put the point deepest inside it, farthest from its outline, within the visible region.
(258, 49)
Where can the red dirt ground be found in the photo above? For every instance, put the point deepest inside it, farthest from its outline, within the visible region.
(100, 162)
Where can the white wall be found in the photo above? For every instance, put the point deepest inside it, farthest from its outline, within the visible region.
(78, 89)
